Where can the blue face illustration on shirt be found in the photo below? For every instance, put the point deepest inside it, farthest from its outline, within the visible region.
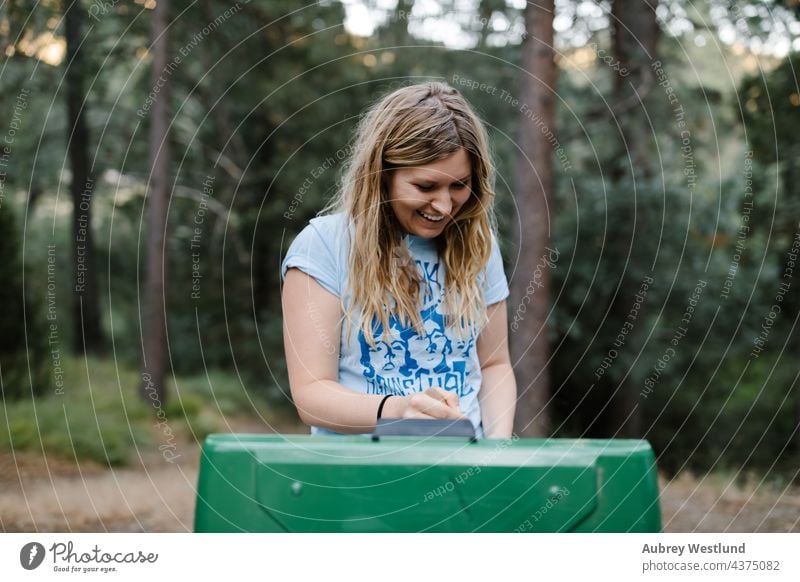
(392, 356)
(464, 347)
(409, 362)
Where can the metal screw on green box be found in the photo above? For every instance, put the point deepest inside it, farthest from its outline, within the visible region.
(300, 483)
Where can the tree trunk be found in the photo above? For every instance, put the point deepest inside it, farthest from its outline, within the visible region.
(635, 42)
(154, 342)
(87, 336)
(533, 185)
(398, 34)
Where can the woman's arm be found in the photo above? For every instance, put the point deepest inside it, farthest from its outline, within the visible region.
(311, 334)
(498, 394)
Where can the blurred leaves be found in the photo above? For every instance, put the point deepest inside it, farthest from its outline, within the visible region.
(266, 92)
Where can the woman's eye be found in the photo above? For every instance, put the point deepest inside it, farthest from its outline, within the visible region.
(457, 186)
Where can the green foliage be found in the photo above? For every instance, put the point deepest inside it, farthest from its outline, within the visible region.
(705, 399)
(770, 109)
(220, 391)
(101, 417)
(24, 352)
(732, 419)
(769, 106)
(98, 417)
(264, 97)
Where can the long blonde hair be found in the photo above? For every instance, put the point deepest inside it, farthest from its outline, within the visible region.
(412, 126)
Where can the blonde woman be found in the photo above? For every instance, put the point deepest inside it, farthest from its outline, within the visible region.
(394, 300)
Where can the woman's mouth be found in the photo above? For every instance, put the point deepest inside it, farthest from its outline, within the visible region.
(431, 217)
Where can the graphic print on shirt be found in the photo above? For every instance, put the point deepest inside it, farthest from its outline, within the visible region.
(409, 362)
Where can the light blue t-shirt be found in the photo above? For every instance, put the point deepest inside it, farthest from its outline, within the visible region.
(408, 362)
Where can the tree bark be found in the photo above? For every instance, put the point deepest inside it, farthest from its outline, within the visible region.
(398, 34)
(533, 186)
(636, 34)
(635, 45)
(87, 336)
(154, 342)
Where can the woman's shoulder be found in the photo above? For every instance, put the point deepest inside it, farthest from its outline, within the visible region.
(318, 251)
(330, 226)
(327, 230)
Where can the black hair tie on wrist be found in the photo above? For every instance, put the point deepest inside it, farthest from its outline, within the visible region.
(380, 406)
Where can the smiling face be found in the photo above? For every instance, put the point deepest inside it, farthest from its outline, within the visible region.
(425, 198)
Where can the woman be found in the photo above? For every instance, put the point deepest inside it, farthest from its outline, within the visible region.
(394, 301)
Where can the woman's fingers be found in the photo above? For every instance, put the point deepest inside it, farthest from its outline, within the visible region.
(433, 405)
(449, 398)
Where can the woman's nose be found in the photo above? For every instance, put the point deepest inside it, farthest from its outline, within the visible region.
(442, 203)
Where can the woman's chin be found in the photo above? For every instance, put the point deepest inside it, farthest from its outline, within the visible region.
(424, 228)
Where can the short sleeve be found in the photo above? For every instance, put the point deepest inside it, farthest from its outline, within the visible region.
(313, 251)
(495, 284)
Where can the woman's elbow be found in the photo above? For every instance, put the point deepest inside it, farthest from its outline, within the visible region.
(307, 406)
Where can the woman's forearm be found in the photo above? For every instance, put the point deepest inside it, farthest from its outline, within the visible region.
(328, 404)
(498, 399)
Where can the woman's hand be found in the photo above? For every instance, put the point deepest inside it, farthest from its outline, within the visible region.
(432, 403)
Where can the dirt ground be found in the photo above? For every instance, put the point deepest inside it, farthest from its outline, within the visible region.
(717, 504)
(151, 495)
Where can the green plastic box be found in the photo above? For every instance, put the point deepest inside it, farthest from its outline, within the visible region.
(303, 483)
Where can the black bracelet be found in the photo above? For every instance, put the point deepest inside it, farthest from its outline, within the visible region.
(380, 406)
